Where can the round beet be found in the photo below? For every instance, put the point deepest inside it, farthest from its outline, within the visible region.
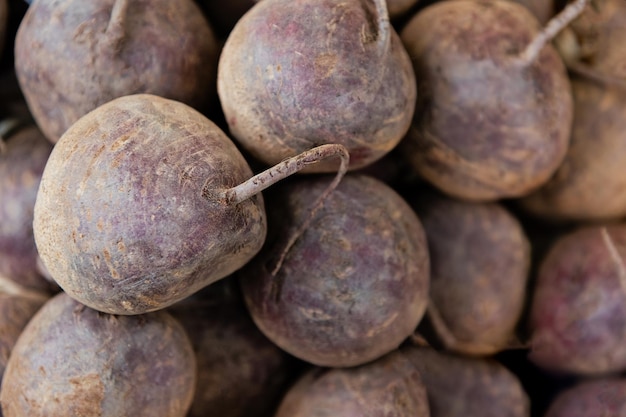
(389, 386)
(72, 56)
(240, 372)
(144, 201)
(480, 261)
(578, 312)
(353, 286)
(23, 156)
(589, 183)
(71, 360)
(15, 313)
(459, 386)
(295, 74)
(494, 112)
(604, 397)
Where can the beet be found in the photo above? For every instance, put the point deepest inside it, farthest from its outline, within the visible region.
(72, 56)
(71, 360)
(353, 286)
(494, 113)
(598, 33)
(24, 153)
(578, 315)
(144, 201)
(389, 386)
(604, 397)
(589, 183)
(480, 260)
(240, 372)
(295, 74)
(460, 386)
(15, 313)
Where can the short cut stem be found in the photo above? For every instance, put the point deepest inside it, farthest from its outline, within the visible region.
(384, 26)
(284, 169)
(552, 28)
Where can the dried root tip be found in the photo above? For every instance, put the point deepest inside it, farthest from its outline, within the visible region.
(554, 26)
(10, 287)
(588, 73)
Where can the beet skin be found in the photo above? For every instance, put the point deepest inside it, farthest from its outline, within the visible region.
(126, 218)
(71, 360)
(294, 74)
(488, 124)
(389, 386)
(72, 56)
(480, 261)
(578, 312)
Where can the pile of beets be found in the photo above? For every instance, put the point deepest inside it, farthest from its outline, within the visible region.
(313, 208)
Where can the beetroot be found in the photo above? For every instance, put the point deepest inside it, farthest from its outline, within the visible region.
(578, 315)
(353, 286)
(23, 156)
(389, 386)
(71, 360)
(605, 397)
(598, 33)
(587, 186)
(295, 74)
(72, 56)
(15, 313)
(480, 260)
(144, 201)
(240, 372)
(459, 386)
(494, 113)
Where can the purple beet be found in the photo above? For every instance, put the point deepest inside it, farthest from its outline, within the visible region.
(480, 261)
(603, 397)
(240, 372)
(23, 156)
(295, 74)
(578, 312)
(459, 386)
(494, 109)
(71, 360)
(389, 386)
(15, 313)
(353, 286)
(72, 56)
